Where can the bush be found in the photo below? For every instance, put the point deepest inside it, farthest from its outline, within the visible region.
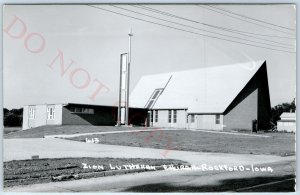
(13, 118)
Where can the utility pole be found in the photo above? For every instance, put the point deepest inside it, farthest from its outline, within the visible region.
(128, 79)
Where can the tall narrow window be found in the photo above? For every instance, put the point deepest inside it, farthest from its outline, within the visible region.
(169, 116)
(50, 113)
(156, 116)
(31, 112)
(174, 116)
(150, 104)
(153, 98)
(151, 116)
(218, 119)
(192, 118)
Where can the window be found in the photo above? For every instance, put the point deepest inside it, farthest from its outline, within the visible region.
(82, 110)
(32, 112)
(88, 110)
(79, 110)
(285, 123)
(151, 116)
(153, 98)
(174, 116)
(150, 104)
(72, 109)
(50, 113)
(156, 116)
(218, 117)
(91, 111)
(170, 116)
(192, 118)
(155, 94)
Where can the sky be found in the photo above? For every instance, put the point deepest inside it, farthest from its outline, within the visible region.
(91, 41)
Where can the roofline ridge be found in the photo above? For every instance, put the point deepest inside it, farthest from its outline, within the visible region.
(261, 65)
(260, 62)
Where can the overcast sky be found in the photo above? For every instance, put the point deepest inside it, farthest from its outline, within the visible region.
(95, 38)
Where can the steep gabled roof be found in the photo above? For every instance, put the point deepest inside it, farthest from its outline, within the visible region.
(204, 90)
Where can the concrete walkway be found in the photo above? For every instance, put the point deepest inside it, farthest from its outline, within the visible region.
(229, 133)
(151, 129)
(20, 149)
(99, 133)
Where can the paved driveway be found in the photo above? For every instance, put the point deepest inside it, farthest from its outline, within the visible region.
(19, 149)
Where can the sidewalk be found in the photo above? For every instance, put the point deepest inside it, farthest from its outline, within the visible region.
(100, 133)
(20, 149)
(151, 129)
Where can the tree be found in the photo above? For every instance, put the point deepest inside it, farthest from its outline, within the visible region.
(5, 111)
(280, 108)
(17, 111)
(13, 118)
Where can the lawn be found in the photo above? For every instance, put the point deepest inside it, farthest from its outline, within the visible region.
(8, 130)
(40, 132)
(24, 172)
(277, 144)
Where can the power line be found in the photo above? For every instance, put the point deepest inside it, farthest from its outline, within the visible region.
(200, 29)
(187, 30)
(205, 24)
(250, 18)
(244, 20)
(202, 23)
(257, 34)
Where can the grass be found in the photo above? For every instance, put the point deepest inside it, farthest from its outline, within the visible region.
(277, 144)
(24, 172)
(8, 130)
(40, 132)
(282, 144)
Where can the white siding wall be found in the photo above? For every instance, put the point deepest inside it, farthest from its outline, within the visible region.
(191, 125)
(287, 126)
(58, 115)
(206, 122)
(25, 117)
(163, 119)
(41, 116)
